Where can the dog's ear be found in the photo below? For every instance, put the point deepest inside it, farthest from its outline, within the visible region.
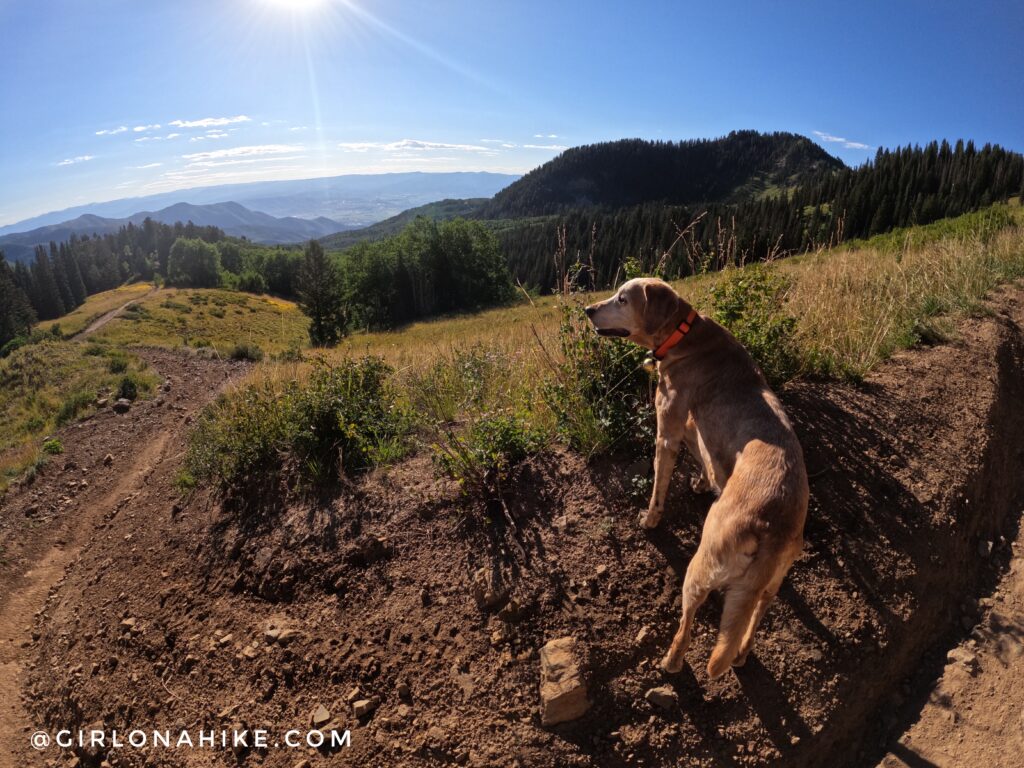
(661, 302)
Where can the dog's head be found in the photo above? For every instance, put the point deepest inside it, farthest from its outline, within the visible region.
(637, 311)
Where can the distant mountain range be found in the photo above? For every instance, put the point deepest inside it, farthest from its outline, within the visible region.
(355, 200)
(233, 218)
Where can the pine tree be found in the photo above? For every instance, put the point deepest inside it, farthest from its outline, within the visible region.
(46, 299)
(320, 296)
(16, 315)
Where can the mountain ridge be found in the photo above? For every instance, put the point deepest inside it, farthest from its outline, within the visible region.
(235, 219)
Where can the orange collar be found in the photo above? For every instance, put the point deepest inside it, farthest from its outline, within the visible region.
(677, 335)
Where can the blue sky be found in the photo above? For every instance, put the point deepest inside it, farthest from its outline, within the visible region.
(117, 98)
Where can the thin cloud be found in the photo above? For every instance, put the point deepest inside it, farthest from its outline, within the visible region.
(299, 128)
(545, 135)
(144, 128)
(210, 122)
(847, 143)
(79, 159)
(250, 151)
(411, 145)
(143, 167)
(552, 147)
(210, 135)
(112, 131)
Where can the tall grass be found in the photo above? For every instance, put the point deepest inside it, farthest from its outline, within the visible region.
(483, 391)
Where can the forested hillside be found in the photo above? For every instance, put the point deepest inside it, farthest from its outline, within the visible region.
(632, 171)
(901, 187)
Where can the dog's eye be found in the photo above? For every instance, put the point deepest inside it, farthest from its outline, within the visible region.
(622, 298)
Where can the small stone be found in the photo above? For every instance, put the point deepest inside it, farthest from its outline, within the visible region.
(985, 548)
(321, 716)
(353, 695)
(365, 707)
(122, 405)
(644, 635)
(963, 657)
(563, 692)
(403, 690)
(271, 635)
(663, 697)
(288, 635)
(108, 460)
(226, 639)
(489, 590)
(102, 402)
(602, 570)
(128, 625)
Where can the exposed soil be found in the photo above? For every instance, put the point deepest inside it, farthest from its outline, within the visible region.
(106, 317)
(160, 620)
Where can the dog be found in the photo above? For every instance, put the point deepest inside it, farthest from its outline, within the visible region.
(713, 398)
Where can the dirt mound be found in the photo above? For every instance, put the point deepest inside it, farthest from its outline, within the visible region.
(428, 610)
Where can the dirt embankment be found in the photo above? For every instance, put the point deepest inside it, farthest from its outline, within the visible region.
(162, 621)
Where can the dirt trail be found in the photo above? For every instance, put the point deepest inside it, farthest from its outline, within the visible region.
(913, 470)
(46, 525)
(105, 318)
(974, 713)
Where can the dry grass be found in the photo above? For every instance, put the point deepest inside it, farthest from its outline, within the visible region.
(96, 306)
(53, 381)
(209, 318)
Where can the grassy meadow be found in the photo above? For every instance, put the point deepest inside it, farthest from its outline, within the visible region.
(210, 318)
(95, 307)
(480, 391)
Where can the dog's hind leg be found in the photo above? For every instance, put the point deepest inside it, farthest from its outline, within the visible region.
(696, 587)
(666, 451)
(737, 613)
(763, 602)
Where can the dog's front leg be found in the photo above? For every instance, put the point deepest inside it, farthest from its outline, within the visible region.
(665, 453)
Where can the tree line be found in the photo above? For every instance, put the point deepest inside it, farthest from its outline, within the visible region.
(899, 188)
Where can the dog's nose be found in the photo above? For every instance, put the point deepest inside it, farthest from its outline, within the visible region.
(590, 310)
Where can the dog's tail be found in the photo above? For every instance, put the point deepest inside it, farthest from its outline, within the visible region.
(740, 602)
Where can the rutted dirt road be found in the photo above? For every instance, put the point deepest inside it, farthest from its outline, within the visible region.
(45, 526)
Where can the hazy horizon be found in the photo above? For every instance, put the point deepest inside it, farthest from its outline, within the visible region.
(120, 99)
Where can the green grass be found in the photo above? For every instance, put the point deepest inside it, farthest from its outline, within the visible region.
(46, 385)
(490, 388)
(213, 318)
(96, 306)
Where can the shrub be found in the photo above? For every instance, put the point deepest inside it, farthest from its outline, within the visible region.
(53, 447)
(480, 457)
(600, 394)
(340, 418)
(118, 362)
(750, 302)
(130, 386)
(247, 352)
(73, 405)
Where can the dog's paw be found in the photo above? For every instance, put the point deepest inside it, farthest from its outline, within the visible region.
(649, 518)
(672, 663)
(740, 659)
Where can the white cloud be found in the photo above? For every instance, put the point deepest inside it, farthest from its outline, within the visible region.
(144, 128)
(552, 147)
(172, 135)
(143, 167)
(79, 159)
(112, 131)
(545, 135)
(214, 134)
(847, 143)
(411, 145)
(210, 122)
(259, 149)
(299, 128)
